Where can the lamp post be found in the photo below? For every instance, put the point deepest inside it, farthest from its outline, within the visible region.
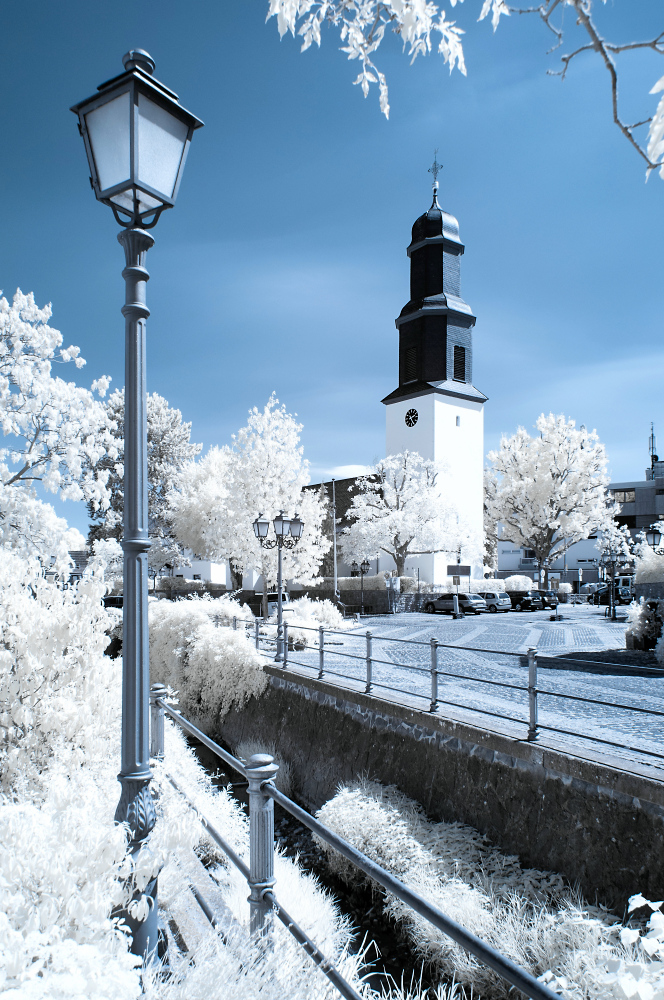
(283, 527)
(609, 559)
(653, 537)
(136, 137)
(364, 568)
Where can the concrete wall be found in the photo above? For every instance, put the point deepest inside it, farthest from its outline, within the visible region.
(586, 819)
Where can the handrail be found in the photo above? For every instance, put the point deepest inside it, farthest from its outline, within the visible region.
(435, 672)
(503, 966)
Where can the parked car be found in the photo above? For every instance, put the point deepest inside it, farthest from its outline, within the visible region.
(112, 601)
(550, 598)
(273, 601)
(468, 603)
(602, 596)
(496, 600)
(526, 600)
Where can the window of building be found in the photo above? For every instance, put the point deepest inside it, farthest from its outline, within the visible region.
(659, 493)
(197, 576)
(410, 364)
(629, 520)
(529, 553)
(458, 423)
(624, 496)
(459, 363)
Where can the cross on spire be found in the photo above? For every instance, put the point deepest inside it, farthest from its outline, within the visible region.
(435, 169)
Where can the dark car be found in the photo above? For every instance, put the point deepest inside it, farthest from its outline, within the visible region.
(602, 596)
(549, 598)
(526, 600)
(113, 601)
(468, 603)
(496, 600)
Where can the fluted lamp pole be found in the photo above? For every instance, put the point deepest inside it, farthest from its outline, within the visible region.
(136, 137)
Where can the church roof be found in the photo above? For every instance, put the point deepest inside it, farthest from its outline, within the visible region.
(435, 223)
(450, 387)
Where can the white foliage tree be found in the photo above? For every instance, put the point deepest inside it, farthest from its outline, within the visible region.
(169, 450)
(58, 431)
(217, 499)
(551, 489)
(402, 509)
(362, 25)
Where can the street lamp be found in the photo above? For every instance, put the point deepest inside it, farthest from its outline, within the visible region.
(136, 137)
(283, 527)
(364, 568)
(610, 558)
(653, 537)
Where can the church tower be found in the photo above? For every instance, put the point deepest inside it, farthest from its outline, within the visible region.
(436, 410)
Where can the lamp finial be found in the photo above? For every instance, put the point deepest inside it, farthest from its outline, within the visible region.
(138, 59)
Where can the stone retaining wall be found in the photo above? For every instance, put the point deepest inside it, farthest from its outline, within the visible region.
(598, 825)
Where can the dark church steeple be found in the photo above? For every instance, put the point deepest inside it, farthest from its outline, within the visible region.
(435, 326)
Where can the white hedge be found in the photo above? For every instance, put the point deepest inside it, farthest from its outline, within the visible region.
(529, 915)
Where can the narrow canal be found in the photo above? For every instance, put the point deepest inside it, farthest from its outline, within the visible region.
(389, 956)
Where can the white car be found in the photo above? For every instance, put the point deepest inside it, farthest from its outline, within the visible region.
(273, 602)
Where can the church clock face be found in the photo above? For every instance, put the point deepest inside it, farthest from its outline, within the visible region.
(411, 418)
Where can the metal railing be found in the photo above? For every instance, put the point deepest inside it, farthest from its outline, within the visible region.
(259, 771)
(322, 638)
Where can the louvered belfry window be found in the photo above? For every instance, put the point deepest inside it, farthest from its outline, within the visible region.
(410, 364)
(459, 363)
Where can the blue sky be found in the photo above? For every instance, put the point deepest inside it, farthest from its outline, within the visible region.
(283, 264)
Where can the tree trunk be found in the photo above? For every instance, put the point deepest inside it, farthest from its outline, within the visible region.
(236, 574)
(400, 560)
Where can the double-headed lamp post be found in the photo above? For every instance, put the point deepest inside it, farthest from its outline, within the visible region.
(136, 137)
(364, 568)
(287, 532)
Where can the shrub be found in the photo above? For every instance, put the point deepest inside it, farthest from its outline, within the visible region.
(212, 667)
(527, 914)
(518, 583)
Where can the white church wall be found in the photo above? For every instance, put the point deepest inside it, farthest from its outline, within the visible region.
(448, 431)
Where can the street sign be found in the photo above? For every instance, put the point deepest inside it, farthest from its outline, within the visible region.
(458, 570)
(456, 580)
(555, 584)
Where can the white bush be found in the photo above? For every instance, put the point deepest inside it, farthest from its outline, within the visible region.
(527, 914)
(565, 588)
(51, 640)
(518, 583)
(211, 667)
(649, 566)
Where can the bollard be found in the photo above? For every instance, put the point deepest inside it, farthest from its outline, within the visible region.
(258, 632)
(259, 769)
(157, 721)
(455, 602)
(532, 693)
(369, 666)
(284, 643)
(234, 623)
(434, 675)
(321, 651)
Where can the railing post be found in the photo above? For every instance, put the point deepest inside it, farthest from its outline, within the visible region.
(321, 651)
(234, 623)
(285, 644)
(369, 666)
(434, 675)
(257, 629)
(259, 769)
(157, 721)
(532, 693)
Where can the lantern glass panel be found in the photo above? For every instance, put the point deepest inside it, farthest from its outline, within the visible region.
(108, 128)
(296, 527)
(281, 525)
(161, 143)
